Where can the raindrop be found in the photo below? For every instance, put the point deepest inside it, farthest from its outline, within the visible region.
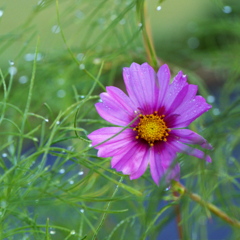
(79, 14)
(52, 232)
(211, 99)
(55, 29)
(80, 173)
(73, 232)
(227, 9)
(1, 13)
(11, 62)
(61, 93)
(82, 66)
(61, 81)
(193, 42)
(82, 210)
(216, 111)
(136, 112)
(12, 70)
(122, 22)
(23, 79)
(97, 61)
(114, 16)
(80, 56)
(168, 188)
(159, 8)
(62, 170)
(71, 181)
(4, 155)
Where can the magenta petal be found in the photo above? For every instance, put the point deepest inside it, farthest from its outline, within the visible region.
(188, 112)
(115, 107)
(114, 145)
(161, 158)
(179, 82)
(131, 157)
(180, 147)
(140, 81)
(190, 137)
(164, 76)
(142, 167)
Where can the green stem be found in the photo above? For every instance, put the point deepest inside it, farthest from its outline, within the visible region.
(214, 209)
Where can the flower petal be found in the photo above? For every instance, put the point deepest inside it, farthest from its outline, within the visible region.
(129, 160)
(190, 137)
(188, 112)
(161, 158)
(163, 76)
(115, 144)
(116, 107)
(140, 81)
(179, 82)
(180, 147)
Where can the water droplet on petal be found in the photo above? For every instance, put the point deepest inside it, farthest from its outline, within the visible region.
(159, 8)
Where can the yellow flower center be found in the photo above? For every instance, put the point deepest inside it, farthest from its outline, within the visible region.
(152, 128)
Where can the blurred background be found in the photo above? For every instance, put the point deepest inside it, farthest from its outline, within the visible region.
(55, 59)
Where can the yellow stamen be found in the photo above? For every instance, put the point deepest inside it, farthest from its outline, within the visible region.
(152, 128)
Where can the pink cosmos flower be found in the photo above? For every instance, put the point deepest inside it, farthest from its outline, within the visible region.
(162, 110)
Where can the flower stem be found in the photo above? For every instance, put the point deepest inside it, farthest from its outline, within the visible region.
(178, 217)
(178, 187)
(147, 34)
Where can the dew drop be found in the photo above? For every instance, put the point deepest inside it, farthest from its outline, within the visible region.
(61, 81)
(227, 9)
(71, 181)
(168, 188)
(73, 232)
(79, 14)
(46, 120)
(52, 232)
(55, 29)
(1, 12)
(11, 62)
(82, 210)
(57, 122)
(80, 56)
(122, 22)
(62, 170)
(82, 66)
(23, 79)
(114, 16)
(4, 155)
(82, 96)
(12, 70)
(96, 61)
(216, 111)
(210, 99)
(193, 42)
(80, 173)
(140, 24)
(159, 8)
(61, 93)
